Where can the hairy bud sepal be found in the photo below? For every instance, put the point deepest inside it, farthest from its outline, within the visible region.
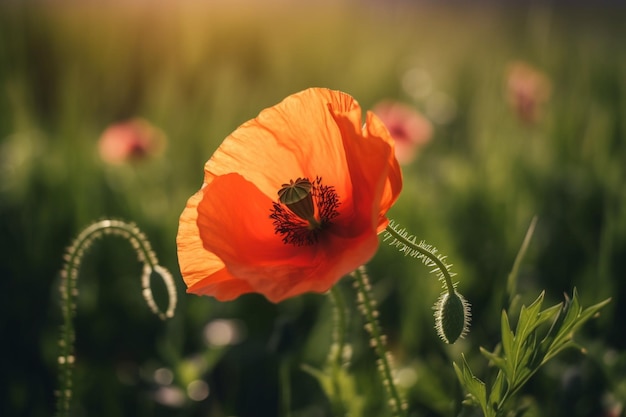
(452, 316)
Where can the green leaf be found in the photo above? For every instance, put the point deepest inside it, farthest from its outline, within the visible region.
(474, 386)
(528, 319)
(511, 282)
(498, 392)
(340, 388)
(521, 353)
(508, 344)
(571, 318)
(550, 313)
(495, 358)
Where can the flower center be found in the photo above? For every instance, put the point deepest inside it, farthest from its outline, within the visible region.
(303, 210)
(298, 198)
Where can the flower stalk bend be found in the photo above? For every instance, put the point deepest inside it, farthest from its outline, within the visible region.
(407, 244)
(452, 311)
(69, 292)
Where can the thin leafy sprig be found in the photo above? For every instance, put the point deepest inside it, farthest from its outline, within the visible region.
(524, 351)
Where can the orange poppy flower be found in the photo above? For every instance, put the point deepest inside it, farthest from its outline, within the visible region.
(292, 200)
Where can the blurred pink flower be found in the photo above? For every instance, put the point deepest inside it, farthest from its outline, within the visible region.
(409, 129)
(528, 89)
(130, 141)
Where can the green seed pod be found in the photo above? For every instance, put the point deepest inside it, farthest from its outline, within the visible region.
(298, 197)
(452, 316)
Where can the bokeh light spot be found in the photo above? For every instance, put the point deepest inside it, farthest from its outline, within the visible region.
(223, 332)
(198, 390)
(163, 376)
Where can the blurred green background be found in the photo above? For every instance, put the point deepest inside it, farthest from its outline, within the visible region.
(196, 71)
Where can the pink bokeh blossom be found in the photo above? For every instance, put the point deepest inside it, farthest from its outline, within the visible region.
(130, 141)
(527, 89)
(409, 128)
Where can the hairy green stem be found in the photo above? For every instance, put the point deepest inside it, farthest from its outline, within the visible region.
(437, 261)
(452, 311)
(339, 325)
(69, 292)
(337, 349)
(367, 306)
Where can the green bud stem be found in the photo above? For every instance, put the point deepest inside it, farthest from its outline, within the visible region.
(441, 266)
(452, 311)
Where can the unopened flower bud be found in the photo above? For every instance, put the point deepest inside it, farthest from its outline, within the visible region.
(452, 316)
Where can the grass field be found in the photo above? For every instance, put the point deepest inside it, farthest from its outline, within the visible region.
(197, 71)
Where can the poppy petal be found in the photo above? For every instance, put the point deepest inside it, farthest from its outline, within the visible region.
(393, 183)
(375, 174)
(203, 272)
(277, 146)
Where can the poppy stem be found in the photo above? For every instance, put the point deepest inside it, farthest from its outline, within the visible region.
(368, 308)
(69, 292)
(339, 325)
(337, 357)
(428, 254)
(285, 387)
